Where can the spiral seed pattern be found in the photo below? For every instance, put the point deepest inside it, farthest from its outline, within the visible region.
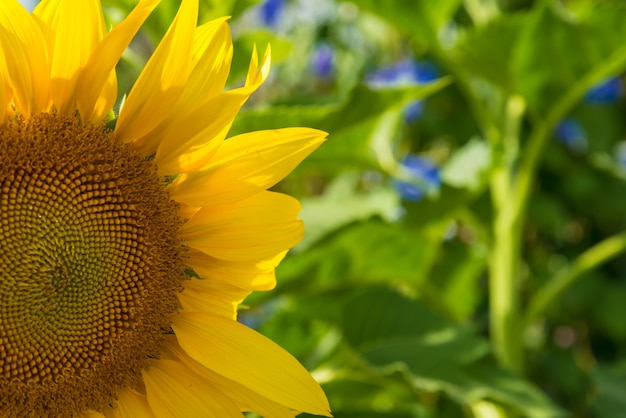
(89, 270)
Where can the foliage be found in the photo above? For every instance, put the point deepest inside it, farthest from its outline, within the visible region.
(497, 292)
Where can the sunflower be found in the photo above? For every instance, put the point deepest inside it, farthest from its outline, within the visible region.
(128, 243)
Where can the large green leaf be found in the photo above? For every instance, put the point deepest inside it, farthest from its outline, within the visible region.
(393, 332)
(610, 400)
(457, 275)
(423, 18)
(448, 202)
(212, 9)
(357, 395)
(543, 53)
(486, 51)
(362, 104)
(558, 49)
(385, 325)
(469, 166)
(358, 127)
(371, 251)
(347, 205)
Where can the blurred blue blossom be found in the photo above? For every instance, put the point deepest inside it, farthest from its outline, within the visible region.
(413, 111)
(323, 60)
(270, 12)
(403, 73)
(607, 91)
(571, 133)
(426, 174)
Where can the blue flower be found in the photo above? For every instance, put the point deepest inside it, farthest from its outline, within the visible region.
(607, 91)
(426, 174)
(413, 111)
(270, 11)
(572, 134)
(323, 60)
(403, 73)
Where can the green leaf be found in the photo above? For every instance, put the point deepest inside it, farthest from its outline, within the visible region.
(557, 49)
(469, 165)
(610, 400)
(486, 380)
(354, 125)
(486, 51)
(447, 203)
(365, 103)
(385, 325)
(355, 254)
(357, 395)
(423, 18)
(456, 276)
(347, 205)
(362, 104)
(393, 332)
(212, 9)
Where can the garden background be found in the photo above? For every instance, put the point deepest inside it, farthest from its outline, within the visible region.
(465, 253)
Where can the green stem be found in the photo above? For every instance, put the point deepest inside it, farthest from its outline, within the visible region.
(504, 288)
(536, 143)
(590, 259)
(511, 195)
(505, 325)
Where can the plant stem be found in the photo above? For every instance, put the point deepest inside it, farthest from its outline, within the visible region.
(504, 316)
(590, 259)
(504, 289)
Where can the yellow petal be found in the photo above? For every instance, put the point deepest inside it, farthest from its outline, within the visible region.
(247, 164)
(72, 29)
(250, 400)
(188, 116)
(212, 53)
(5, 89)
(245, 275)
(175, 391)
(247, 399)
(257, 228)
(161, 82)
(23, 47)
(212, 296)
(248, 358)
(130, 404)
(96, 89)
(188, 141)
(257, 74)
(186, 211)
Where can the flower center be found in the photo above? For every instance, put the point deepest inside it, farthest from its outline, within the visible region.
(89, 269)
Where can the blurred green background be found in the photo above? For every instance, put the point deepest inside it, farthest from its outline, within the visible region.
(464, 253)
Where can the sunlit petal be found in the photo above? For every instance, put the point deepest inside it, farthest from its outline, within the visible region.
(247, 164)
(256, 228)
(24, 50)
(246, 357)
(175, 391)
(96, 90)
(72, 29)
(188, 142)
(162, 81)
